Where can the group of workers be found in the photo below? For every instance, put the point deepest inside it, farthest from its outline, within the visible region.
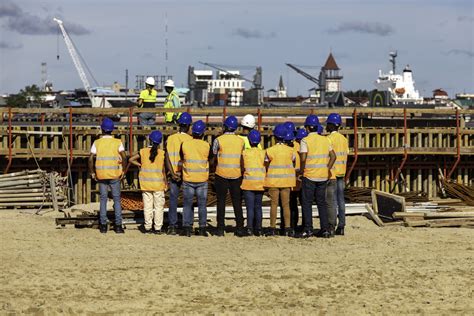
(302, 166)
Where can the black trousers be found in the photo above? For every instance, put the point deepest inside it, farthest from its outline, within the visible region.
(222, 185)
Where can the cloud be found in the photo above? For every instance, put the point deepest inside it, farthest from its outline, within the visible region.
(6, 45)
(465, 52)
(25, 23)
(465, 18)
(375, 28)
(252, 34)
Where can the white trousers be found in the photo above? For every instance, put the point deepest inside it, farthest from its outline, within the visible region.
(153, 205)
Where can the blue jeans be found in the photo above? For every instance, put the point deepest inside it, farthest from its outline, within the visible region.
(311, 190)
(253, 204)
(332, 205)
(173, 204)
(146, 119)
(189, 190)
(340, 203)
(114, 185)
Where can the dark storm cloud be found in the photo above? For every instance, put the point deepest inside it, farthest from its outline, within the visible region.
(25, 23)
(374, 28)
(252, 34)
(463, 52)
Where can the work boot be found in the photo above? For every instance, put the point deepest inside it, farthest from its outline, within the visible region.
(220, 232)
(119, 229)
(171, 231)
(323, 233)
(203, 232)
(158, 232)
(340, 231)
(332, 232)
(103, 228)
(257, 233)
(306, 234)
(289, 232)
(187, 231)
(249, 232)
(270, 232)
(240, 232)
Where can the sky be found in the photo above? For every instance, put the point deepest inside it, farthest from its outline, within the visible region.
(436, 38)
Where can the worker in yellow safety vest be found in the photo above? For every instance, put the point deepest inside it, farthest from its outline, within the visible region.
(253, 165)
(152, 176)
(107, 161)
(295, 194)
(171, 101)
(195, 156)
(147, 100)
(335, 194)
(317, 159)
(174, 165)
(248, 125)
(227, 150)
(280, 178)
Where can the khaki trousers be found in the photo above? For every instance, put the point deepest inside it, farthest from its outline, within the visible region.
(153, 205)
(275, 195)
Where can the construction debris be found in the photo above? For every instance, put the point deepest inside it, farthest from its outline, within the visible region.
(460, 191)
(33, 190)
(436, 219)
(363, 195)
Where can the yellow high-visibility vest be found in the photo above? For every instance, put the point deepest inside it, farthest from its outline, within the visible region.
(228, 157)
(316, 166)
(296, 148)
(340, 145)
(281, 172)
(195, 160)
(169, 105)
(254, 169)
(108, 162)
(151, 173)
(173, 146)
(247, 142)
(148, 96)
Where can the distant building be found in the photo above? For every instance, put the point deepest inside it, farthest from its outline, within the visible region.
(440, 95)
(333, 77)
(281, 90)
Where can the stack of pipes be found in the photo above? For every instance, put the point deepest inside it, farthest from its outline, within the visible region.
(33, 190)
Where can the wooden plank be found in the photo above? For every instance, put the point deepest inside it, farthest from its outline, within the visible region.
(374, 216)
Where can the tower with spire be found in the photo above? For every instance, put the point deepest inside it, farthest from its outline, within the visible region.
(281, 89)
(333, 77)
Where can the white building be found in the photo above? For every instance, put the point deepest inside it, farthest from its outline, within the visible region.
(401, 87)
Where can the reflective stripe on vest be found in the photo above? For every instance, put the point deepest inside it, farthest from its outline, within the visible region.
(151, 173)
(228, 157)
(108, 162)
(169, 105)
(317, 157)
(281, 172)
(195, 164)
(254, 169)
(173, 147)
(341, 148)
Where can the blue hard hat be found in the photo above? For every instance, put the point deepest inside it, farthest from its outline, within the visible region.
(290, 126)
(198, 128)
(320, 129)
(301, 133)
(231, 123)
(185, 119)
(289, 136)
(280, 131)
(254, 137)
(156, 137)
(335, 119)
(107, 125)
(311, 120)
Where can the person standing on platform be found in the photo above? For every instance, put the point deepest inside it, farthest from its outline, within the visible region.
(253, 165)
(152, 176)
(173, 163)
(195, 156)
(227, 151)
(147, 100)
(110, 161)
(317, 159)
(171, 102)
(248, 125)
(340, 145)
(295, 194)
(280, 178)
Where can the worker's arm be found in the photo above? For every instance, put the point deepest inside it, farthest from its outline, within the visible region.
(134, 160)
(332, 159)
(303, 157)
(123, 155)
(91, 166)
(140, 102)
(242, 167)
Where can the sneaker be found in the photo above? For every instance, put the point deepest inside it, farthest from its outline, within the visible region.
(158, 232)
(119, 229)
(171, 231)
(240, 232)
(203, 232)
(270, 232)
(249, 232)
(257, 233)
(323, 233)
(306, 234)
(289, 232)
(187, 231)
(103, 228)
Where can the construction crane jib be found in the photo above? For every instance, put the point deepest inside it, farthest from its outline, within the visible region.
(77, 63)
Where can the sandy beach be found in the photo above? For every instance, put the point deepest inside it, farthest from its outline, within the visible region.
(372, 270)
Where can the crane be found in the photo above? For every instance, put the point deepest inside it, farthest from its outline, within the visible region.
(321, 81)
(77, 63)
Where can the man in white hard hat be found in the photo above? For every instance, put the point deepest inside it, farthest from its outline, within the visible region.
(147, 99)
(248, 124)
(172, 101)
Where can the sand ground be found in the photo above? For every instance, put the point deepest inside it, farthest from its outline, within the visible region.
(371, 270)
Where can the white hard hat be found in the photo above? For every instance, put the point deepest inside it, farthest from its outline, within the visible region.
(248, 121)
(150, 81)
(169, 83)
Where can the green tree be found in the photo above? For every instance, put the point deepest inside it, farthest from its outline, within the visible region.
(28, 96)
